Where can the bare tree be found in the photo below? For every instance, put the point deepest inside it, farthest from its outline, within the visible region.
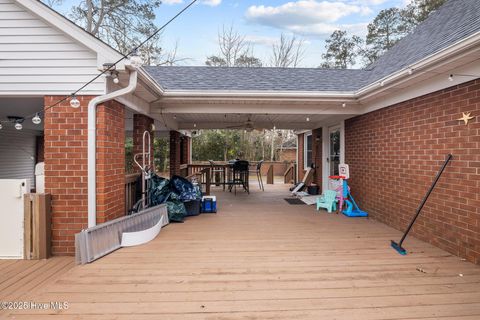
(234, 50)
(287, 52)
(123, 24)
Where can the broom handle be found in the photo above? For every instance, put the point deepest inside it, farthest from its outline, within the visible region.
(425, 198)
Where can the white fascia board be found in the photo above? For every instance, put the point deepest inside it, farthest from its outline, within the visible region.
(104, 52)
(417, 67)
(257, 94)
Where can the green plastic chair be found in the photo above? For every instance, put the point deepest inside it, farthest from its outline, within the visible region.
(328, 201)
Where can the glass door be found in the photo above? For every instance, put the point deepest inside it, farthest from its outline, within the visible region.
(333, 159)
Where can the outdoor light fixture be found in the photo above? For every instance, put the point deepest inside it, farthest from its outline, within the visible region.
(37, 119)
(18, 126)
(308, 119)
(135, 59)
(109, 66)
(344, 105)
(450, 77)
(382, 83)
(410, 71)
(114, 76)
(74, 102)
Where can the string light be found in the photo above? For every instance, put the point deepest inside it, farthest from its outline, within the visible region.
(410, 71)
(1, 126)
(74, 102)
(18, 125)
(344, 105)
(308, 119)
(382, 83)
(450, 77)
(37, 119)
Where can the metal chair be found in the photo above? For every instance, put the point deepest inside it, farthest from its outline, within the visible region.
(240, 175)
(219, 172)
(258, 172)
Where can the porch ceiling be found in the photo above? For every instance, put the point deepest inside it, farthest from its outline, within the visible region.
(259, 121)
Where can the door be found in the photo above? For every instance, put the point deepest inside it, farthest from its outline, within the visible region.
(333, 157)
(11, 217)
(333, 150)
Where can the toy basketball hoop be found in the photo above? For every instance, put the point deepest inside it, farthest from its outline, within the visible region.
(344, 171)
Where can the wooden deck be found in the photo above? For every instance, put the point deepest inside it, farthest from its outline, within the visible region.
(260, 258)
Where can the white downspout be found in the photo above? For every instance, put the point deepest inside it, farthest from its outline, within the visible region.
(92, 141)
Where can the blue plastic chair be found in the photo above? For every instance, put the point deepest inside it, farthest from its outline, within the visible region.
(328, 201)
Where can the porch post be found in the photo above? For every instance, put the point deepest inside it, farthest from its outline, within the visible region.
(65, 152)
(175, 159)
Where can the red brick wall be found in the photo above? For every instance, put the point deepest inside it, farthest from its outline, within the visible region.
(317, 145)
(394, 154)
(174, 153)
(184, 150)
(289, 155)
(65, 151)
(301, 153)
(142, 123)
(110, 161)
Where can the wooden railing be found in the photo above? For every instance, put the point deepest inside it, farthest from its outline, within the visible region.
(202, 177)
(37, 226)
(130, 190)
(290, 174)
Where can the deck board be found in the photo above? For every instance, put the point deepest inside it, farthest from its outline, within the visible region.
(261, 258)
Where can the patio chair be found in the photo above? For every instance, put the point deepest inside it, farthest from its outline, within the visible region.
(239, 176)
(217, 171)
(328, 201)
(258, 172)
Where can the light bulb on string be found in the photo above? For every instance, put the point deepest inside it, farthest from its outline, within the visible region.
(1, 126)
(344, 105)
(18, 126)
(74, 102)
(450, 77)
(37, 119)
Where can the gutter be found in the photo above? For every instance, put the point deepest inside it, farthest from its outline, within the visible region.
(92, 141)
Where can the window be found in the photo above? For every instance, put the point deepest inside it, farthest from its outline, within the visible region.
(308, 154)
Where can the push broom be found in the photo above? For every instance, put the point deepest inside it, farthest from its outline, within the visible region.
(398, 246)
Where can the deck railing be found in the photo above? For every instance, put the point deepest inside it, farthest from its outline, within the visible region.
(130, 190)
(202, 177)
(290, 175)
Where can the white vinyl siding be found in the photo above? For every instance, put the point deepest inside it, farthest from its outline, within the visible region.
(36, 58)
(17, 154)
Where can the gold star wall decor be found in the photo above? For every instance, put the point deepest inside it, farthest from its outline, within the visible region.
(466, 117)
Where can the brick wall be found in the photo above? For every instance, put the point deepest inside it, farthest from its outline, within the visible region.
(301, 153)
(65, 152)
(110, 161)
(317, 146)
(142, 123)
(394, 154)
(174, 153)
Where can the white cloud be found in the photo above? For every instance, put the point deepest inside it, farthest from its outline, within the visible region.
(307, 16)
(212, 3)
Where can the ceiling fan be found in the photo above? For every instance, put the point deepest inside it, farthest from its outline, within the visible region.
(247, 125)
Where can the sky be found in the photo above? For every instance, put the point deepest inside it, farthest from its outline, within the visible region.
(262, 22)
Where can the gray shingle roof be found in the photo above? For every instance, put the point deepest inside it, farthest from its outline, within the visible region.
(259, 79)
(454, 21)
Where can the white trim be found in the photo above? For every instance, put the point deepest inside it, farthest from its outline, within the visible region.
(305, 137)
(342, 141)
(297, 154)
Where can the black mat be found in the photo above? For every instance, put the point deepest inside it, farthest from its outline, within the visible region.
(294, 201)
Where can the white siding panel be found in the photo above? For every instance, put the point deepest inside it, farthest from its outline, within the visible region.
(17, 154)
(37, 58)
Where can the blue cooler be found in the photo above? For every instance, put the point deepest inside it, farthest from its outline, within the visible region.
(209, 204)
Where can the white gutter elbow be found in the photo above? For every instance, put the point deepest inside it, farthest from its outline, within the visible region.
(92, 141)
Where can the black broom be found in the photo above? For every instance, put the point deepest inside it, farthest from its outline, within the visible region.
(398, 246)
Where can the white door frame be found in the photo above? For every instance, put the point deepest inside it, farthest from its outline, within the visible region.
(326, 150)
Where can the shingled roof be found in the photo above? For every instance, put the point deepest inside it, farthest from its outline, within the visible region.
(454, 21)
